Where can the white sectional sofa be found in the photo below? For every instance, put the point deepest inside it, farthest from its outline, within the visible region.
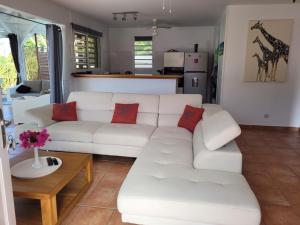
(177, 178)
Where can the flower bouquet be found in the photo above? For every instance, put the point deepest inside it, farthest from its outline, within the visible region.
(34, 140)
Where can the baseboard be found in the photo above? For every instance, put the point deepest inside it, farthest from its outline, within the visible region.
(276, 128)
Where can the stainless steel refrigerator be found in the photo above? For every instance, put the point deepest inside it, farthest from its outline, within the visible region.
(195, 73)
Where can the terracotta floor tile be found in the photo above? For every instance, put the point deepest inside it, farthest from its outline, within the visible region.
(271, 165)
(102, 166)
(261, 180)
(262, 223)
(296, 210)
(295, 169)
(89, 216)
(284, 152)
(287, 183)
(104, 195)
(280, 215)
(293, 197)
(279, 170)
(255, 142)
(257, 150)
(116, 219)
(253, 167)
(70, 217)
(270, 196)
(291, 160)
(97, 178)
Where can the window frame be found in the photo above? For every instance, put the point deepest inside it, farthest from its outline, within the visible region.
(142, 38)
(98, 51)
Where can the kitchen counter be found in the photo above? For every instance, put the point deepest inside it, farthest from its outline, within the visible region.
(131, 76)
(126, 83)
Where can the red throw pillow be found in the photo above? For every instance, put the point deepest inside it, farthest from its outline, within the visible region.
(125, 113)
(190, 117)
(64, 112)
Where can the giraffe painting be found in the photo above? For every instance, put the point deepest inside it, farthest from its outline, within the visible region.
(268, 55)
(262, 67)
(268, 47)
(280, 49)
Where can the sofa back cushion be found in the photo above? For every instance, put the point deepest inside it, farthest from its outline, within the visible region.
(35, 85)
(45, 85)
(219, 129)
(93, 106)
(148, 106)
(171, 107)
(99, 106)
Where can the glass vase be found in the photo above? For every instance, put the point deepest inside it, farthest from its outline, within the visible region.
(37, 163)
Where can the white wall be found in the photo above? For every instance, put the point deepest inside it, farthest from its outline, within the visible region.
(62, 16)
(249, 101)
(121, 41)
(221, 37)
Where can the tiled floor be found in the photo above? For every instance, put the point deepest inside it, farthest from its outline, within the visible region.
(271, 166)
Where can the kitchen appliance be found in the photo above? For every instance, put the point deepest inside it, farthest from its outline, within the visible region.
(174, 59)
(195, 73)
(173, 62)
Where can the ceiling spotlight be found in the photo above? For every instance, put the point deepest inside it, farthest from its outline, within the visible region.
(124, 17)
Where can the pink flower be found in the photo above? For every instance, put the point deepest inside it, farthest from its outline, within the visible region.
(31, 139)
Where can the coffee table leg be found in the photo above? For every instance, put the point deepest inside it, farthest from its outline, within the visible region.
(49, 211)
(89, 170)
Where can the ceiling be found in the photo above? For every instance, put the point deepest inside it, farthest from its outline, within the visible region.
(184, 12)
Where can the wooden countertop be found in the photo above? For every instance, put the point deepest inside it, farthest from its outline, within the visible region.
(130, 76)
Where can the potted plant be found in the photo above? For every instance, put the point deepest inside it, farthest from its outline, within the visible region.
(34, 140)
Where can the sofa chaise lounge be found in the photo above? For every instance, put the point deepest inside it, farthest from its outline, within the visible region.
(178, 177)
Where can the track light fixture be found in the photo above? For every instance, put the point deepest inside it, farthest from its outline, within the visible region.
(124, 16)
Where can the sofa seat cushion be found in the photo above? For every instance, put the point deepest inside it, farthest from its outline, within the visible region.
(162, 185)
(79, 131)
(172, 133)
(124, 134)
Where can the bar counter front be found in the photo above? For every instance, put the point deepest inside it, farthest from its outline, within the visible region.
(126, 83)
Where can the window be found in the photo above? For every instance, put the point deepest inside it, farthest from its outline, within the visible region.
(143, 52)
(86, 51)
(86, 47)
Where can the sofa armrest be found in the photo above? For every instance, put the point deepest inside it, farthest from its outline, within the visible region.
(12, 92)
(210, 109)
(42, 116)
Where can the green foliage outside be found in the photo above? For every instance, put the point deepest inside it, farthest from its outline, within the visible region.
(8, 73)
(143, 48)
(31, 61)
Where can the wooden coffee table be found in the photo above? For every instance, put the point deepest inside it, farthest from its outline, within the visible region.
(69, 182)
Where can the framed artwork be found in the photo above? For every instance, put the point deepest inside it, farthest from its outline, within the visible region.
(268, 47)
